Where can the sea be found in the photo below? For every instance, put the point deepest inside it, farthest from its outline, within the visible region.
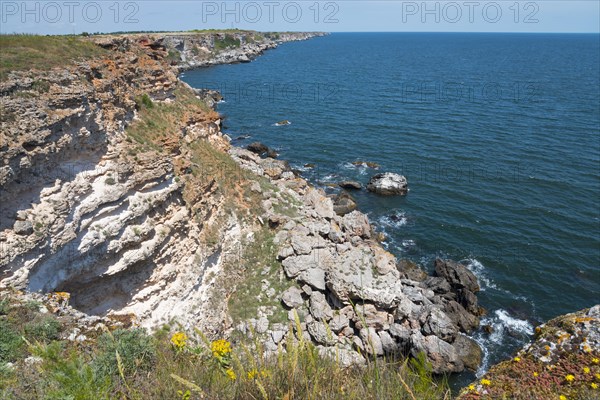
(497, 134)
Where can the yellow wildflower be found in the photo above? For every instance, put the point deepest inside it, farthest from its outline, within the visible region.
(471, 387)
(264, 373)
(517, 359)
(597, 376)
(563, 397)
(594, 385)
(595, 361)
(179, 340)
(220, 348)
(535, 374)
(569, 378)
(586, 370)
(230, 374)
(486, 382)
(252, 373)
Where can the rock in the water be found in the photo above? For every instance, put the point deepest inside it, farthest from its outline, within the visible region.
(350, 185)
(343, 203)
(388, 183)
(442, 355)
(292, 297)
(456, 274)
(261, 149)
(469, 351)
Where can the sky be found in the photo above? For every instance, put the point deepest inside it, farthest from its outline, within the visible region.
(69, 16)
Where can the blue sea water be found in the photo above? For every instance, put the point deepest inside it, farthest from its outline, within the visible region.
(497, 134)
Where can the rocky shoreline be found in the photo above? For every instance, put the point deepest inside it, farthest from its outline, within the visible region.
(353, 295)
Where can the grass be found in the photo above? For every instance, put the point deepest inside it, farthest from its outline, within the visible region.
(228, 41)
(132, 364)
(27, 52)
(257, 264)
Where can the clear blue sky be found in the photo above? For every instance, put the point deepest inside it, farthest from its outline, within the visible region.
(70, 16)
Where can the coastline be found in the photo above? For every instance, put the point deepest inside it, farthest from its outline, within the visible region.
(353, 297)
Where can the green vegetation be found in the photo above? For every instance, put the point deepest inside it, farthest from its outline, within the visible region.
(26, 52)
(132, 364)
(259, 262)
(144, 101)
(227, 42)
(159, 123)
(174, 56)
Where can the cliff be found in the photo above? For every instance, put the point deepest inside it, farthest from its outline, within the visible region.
(119, 188)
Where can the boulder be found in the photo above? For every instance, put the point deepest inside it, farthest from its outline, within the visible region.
(460, 317)
(319, 332)
(411, 270)
(357, 224)
(437, 323)
(468, 351)
(388, 184)
(315, 277)
(388, 344)
(371, 341)
(23, 227)
(442, 355)
(301, 243)
(369, 315)
(293, 266)
(338, 322)
(456, 274)
(345, 357)
(343, 203)
(353, 185)
(319, 307)
(351, 277)
(261, 149)
(292, 297)
(322, 204)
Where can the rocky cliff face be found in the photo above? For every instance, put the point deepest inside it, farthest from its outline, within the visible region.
(119, 187)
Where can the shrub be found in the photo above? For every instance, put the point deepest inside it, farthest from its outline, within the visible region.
(136, 350)
(144, 101)
(226, 42)
(10, 342)
(43, 327)
(69, 376)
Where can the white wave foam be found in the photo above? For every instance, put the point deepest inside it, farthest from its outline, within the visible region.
(502, 323)
(408, 243)
(394, 221)
(328, 178)
(479, 270)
